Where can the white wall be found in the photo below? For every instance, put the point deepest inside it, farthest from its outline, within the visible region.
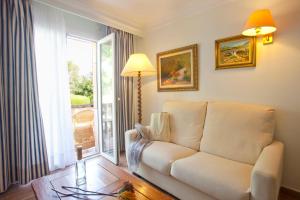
(275, 80)
(82, 27)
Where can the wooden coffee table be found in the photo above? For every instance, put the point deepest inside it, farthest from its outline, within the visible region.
(102, 176)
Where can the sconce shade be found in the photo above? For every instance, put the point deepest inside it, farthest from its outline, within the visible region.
(138, 63)
(260, 22)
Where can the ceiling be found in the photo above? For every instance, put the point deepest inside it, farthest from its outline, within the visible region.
(150, 13)
(136, 16)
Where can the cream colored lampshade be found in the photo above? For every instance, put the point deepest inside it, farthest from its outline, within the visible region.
(260, 22)
(138, 63)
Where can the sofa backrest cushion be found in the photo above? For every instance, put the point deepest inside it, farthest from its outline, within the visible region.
(186, 122)
(237, 131)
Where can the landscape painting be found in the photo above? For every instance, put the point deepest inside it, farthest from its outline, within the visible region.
(233, 52)
(177, 69)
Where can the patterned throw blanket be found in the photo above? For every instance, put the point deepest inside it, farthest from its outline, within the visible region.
(137, 147)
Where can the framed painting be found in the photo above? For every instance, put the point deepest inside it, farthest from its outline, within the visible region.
(177, 69)
(235, 52)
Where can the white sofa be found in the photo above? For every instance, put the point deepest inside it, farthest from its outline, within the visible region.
(217, 150)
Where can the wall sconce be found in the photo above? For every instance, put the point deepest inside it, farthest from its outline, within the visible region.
(259, 23)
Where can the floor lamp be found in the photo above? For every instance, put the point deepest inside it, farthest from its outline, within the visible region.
(138, 65)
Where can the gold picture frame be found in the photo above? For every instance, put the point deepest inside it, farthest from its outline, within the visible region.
(235, 52)
(177, 69)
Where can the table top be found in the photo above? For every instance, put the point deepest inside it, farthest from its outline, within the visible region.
(102, 176)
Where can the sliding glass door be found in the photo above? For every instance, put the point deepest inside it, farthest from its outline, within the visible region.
(106, 98)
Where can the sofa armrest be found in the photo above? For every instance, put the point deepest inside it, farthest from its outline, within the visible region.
(267, 171)
(131, 136)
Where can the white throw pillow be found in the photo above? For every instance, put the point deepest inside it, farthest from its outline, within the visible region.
(186, 121)
(237, 131)
(160, 127)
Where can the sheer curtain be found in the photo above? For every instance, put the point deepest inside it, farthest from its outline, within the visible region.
(53, 83)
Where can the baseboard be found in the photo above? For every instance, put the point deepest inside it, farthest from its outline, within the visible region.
(290, 192)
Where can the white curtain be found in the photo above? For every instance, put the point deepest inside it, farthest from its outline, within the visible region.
(53, 84)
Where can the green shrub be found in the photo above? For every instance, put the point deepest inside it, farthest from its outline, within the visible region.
(80, 85)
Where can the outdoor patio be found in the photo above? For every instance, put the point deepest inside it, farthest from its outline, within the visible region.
(85, 131)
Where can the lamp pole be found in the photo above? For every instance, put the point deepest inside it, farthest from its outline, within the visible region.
(139, 93)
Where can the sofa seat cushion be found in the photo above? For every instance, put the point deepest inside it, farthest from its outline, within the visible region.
(160, 155)
(216, 176)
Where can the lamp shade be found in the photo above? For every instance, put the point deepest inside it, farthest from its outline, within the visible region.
(260, 22)
(138, 63)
